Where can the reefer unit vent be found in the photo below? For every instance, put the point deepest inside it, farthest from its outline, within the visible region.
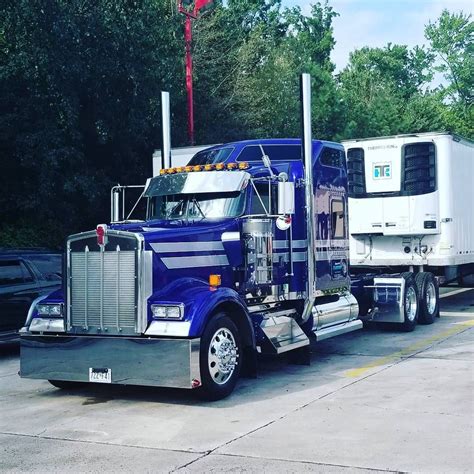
(356, 172)
(419, 169)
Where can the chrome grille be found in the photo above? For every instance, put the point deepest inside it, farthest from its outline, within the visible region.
(103, 290)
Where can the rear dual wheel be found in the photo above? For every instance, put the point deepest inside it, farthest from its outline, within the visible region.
(429, 297)
(410, 302)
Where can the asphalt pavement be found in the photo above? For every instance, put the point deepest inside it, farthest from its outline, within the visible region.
(374, 400)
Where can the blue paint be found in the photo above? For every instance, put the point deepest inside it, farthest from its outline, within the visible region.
(189, 285)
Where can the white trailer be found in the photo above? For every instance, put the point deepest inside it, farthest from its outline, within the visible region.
(411, 200)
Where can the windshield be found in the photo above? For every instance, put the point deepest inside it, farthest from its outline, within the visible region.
(206, 157)
(196, 206)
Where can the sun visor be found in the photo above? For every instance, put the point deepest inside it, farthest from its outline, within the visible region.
(198, 183)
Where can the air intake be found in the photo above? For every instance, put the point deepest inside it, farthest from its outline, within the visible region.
(419, 169)
(356, 172)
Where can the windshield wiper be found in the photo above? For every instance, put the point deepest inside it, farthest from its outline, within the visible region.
(199, 207)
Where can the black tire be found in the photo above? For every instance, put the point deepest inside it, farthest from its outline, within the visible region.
(411, 303)
(65, 384)
(218, 379)
(429, 297)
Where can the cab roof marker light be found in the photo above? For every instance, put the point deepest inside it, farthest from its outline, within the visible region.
(197, 168)
(244, 165)
(232, 166)
(209, 167)
(220, 166)
(188, 168)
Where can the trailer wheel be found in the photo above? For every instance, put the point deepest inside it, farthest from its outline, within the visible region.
(219, 356)
(410, 302)
(429, 297)
(65, 384)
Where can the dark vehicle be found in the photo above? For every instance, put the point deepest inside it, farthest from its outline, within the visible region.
(25, 275)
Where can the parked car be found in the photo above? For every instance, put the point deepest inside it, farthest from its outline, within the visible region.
(25, 274)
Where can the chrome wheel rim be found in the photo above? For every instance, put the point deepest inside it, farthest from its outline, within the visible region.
(411, 305)
(222, 356)
(431, 298)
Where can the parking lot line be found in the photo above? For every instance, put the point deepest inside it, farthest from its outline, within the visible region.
(454, 292)
(410, 350)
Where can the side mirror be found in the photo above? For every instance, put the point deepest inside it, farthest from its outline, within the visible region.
(286, 197)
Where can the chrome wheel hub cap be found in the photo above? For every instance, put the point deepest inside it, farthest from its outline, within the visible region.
(431, 298)
(222, 357)
(411, 304)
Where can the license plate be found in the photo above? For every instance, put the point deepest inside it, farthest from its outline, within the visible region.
(100, 375)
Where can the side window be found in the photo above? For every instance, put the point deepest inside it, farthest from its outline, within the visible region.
(275, 152)
(338, 221)
(332, 157)
(262, 205)
(50, 266)
(13, 272)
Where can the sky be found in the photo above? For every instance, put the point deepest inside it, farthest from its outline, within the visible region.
(378, 22)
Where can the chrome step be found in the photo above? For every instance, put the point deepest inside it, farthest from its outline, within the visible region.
(283, 334)
(338, 329)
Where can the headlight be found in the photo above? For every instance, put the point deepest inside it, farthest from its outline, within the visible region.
(167, 311)
(52, 310)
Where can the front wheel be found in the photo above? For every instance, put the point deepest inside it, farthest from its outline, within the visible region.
(219, 358)
(410, 302)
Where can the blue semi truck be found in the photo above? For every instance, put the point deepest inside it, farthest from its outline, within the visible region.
(243, 251)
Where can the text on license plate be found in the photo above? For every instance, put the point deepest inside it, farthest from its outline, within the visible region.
(101, 375)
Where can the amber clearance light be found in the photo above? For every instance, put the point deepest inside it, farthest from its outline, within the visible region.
(214, 280)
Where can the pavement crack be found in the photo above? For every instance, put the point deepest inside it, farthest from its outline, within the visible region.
(104, 443)
(314, 463)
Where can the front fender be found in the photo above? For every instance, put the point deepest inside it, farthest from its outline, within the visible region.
(199, 299)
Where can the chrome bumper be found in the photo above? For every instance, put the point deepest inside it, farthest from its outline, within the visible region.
(155, 362)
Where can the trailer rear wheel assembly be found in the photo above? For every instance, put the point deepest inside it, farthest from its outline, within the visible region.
(411, 305)
(429, 297)
(219, 358)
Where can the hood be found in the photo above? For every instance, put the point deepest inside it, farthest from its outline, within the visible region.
(194, 249)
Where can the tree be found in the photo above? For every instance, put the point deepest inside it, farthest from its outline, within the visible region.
(451, 39)
(379, 87)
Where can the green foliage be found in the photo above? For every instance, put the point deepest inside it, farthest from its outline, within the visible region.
(452, 41)
(80, 84)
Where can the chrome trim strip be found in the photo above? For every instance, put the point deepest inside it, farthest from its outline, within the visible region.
(230, 236)
(168, 328)
(32, 307)
(173, 263)
(146, 286)
(297, 256)
(283, 244)
(117, 317)
(177, 247)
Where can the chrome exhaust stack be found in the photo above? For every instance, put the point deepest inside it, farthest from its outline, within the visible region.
(307, 147)
(166, 130)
